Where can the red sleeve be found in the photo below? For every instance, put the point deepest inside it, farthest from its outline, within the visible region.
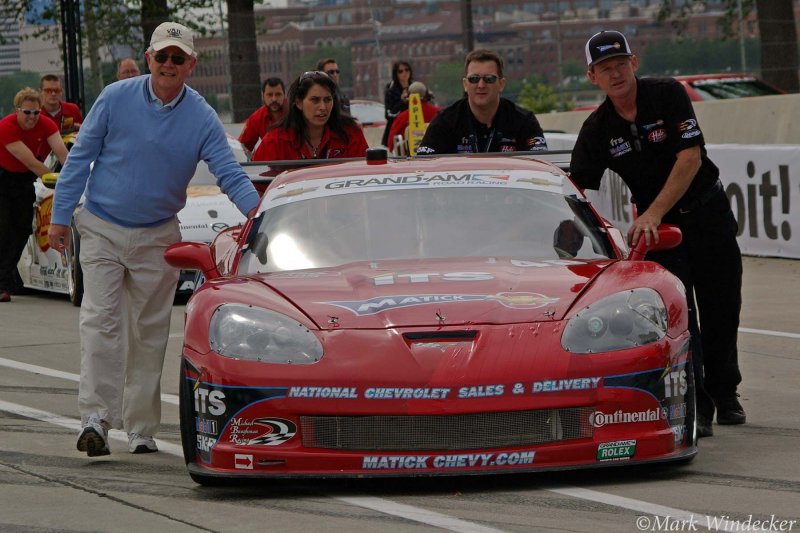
(272, 148)
(249, 135)
(357, 147)
(47, 125)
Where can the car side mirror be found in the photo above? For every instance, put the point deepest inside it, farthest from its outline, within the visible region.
(192, 256)
(669, 236)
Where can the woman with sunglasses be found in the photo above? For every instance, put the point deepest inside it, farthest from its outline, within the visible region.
(314, 126)
(395, 99)
(483, 121)
(21, 136)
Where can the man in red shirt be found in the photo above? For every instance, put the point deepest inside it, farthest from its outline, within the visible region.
(274, 108)
(400, 122)
(21, 135)
(66, 115)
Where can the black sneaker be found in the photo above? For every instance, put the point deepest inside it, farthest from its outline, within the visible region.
(730, 411)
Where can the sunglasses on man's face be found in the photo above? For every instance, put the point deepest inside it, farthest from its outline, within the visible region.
(488, 78)
(177, 59)
(33, 112)
(57, 90)
(332, 71)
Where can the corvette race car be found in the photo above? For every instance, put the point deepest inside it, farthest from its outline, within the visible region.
(442, 316)
(207, 212)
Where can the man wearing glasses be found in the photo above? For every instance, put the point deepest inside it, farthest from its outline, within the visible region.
(331, 68)
(66, 115)
(134, 157)
(483, 121)
(21, 136)
(646, 131)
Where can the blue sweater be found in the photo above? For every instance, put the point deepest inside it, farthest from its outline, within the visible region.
(144, 158)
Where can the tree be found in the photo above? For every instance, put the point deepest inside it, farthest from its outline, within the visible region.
(776, 27)
(244, 69)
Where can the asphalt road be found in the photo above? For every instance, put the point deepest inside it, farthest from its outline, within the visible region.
(749, 474)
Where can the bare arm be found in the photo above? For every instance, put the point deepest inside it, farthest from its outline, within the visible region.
(26, 157)
(681, 176)
(57, 145)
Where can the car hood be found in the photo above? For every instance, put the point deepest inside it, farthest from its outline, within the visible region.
(436, 293)
(207, 212)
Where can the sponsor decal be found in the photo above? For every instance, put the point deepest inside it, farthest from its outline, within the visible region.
(545, 263)
(690, 134)
(378, 304)
(205, 443)
(43, 213)
(425, 277)
(243, 461)
(406, 393)
(687, 125)
(599, 419)
(675, 412)
(204, 425)
(565, 384)
(341, 393)
(211, 402)
(616, 451)
(261, 431)
(219, 226)
(656, 136)
(444, 462)
(657, 123)
(679, 432)
(675, 383)
(295, 192)
(621, 149)
(481, 391)
(443, 346)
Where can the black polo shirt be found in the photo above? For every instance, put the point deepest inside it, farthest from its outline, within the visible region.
(455, 130)
(643, 152)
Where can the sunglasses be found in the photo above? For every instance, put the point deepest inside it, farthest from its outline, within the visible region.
(332, 71)
(51, 91)
(314, 74)
(401, 70)
(177, 59)
(33, 112)
(488, 78)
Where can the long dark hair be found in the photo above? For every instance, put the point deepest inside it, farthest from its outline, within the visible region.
(294, 119)
(396, 66)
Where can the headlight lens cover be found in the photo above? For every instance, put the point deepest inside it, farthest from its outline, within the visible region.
(617, 322)
(246, 332)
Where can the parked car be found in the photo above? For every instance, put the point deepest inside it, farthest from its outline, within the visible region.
(370, 115)
(701, 87)
(207, 212)
(440, 316)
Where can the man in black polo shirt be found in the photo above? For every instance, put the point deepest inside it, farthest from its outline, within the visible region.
(483, 121)
(646, 131)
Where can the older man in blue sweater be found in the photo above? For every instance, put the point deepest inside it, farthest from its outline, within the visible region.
(134, 157)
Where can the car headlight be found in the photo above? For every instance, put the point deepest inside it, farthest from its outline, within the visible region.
(623, 320)
(247, 332)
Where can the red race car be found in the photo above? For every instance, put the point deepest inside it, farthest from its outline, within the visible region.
(442, 316)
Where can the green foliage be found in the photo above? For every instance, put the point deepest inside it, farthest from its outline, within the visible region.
(538, 97)
(341, 54)
(446, 83)
(11, 84)
(698, 57)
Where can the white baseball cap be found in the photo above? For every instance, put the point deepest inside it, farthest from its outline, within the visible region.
(172, 34)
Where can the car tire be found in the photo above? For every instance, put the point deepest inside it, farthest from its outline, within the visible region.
(75, 273)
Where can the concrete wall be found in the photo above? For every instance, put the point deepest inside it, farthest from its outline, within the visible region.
(758, 120)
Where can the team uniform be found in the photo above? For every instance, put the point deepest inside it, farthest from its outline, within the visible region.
(17, 194)
(283, 144)
(708, 260)
(256, 127)
(67, 116)
(456, 130)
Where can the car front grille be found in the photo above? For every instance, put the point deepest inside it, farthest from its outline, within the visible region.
(446, 432)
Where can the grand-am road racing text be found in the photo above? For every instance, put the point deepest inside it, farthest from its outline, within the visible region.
(466, 460)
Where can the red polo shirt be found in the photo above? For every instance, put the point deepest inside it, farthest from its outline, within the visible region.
(256, 126)
(34, 139)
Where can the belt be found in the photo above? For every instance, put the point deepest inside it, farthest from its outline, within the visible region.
(702, 199)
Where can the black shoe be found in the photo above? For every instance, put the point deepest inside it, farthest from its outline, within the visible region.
(704, 428)
(730, 411)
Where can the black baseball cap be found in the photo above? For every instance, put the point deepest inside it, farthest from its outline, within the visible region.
(606, 44)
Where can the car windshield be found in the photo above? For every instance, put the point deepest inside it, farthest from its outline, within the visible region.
(715, 89)
(380, 223)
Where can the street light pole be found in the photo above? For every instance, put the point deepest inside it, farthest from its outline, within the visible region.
(741, 38)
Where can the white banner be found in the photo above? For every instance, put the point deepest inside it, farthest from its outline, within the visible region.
(762, 183)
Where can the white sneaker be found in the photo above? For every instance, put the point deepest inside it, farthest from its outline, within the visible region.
(141, 444)
(93, 438)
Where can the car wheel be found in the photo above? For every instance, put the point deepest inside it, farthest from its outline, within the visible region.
(75, 274)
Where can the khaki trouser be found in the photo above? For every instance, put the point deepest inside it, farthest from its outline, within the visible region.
(124, 321)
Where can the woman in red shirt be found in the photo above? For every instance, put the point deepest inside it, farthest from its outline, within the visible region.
(313, 127)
